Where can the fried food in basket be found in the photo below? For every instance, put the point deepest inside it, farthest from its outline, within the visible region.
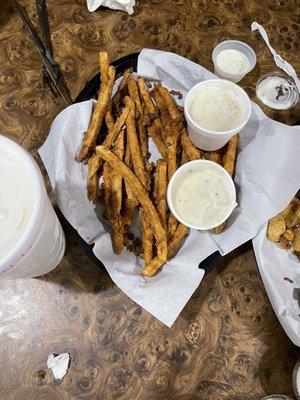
(133, 189)
(284, 228)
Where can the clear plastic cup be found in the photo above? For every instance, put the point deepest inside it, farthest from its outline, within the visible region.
(203, 138)
(42, 243)
(226, 178)
(233, 45)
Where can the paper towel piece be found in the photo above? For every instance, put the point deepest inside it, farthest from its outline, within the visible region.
(280, 271)
(266, 179)
(280, 62)
(59, 364)
(123, 5)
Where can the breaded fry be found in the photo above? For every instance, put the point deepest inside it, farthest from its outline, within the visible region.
(94, 165)
(138, 190)
(104, 66)
(114, 131)
(189, 148)
(109, 119)
(230, 155)
(177, 238)
(161, 147)
(143, 139)
(184, 158)
(160, 189)
(276, 228)
(171, 158)
(134, 95)
(136, 157)
(170, 103)
(172, 226)
(215, 156)
(146, 97)
(147, 237)
(91, 136)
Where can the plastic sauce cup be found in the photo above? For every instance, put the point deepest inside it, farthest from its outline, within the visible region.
(203, 138)
(228, 182)
(233, 45)
(42, 244)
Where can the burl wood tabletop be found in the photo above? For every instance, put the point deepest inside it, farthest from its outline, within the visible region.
(227, 342)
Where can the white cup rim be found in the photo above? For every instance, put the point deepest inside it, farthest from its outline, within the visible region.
(37, 183)
(207, 132)
(175, 176)
(253, 60)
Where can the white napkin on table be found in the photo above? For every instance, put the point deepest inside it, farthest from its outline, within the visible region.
(123, 5)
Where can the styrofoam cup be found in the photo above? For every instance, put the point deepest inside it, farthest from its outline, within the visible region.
(229, 184)
(233, 45)
(203, 138)
(42, 244)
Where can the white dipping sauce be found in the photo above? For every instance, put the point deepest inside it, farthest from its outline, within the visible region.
(16, 199)
(201, 197)
(233, 61)
(217, 108)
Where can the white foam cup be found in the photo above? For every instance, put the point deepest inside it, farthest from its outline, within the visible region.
(233, 45)
(200, 164)
(41, 245)
(203, 138)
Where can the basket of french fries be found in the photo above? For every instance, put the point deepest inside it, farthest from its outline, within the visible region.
(110, 161)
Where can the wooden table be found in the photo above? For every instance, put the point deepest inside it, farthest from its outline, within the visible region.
(227, 342)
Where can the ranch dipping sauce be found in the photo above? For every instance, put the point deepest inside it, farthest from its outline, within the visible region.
(233, 61)
(217, 107)
(202, 195)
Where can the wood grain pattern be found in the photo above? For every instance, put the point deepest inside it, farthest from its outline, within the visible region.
(227, 343)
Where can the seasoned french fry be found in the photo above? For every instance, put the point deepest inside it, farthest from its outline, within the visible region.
(143, 139)
(230, 155)
(157, 262)
(122, 89)
(170, 103)
(130, 201)
(147, 237)
(134, 95)
(146, 97)
(116, 181)
(171, 158)
(114, 131)
(218, 229)
(215, 156)
(138, 190)
(91, 136)
(104, 66)
(94, 165)
(160, 189)
(161, 147)
(172, 226)
(109, 119)
(189, 148)
(136, 157)
(184, 158)
(177, 238)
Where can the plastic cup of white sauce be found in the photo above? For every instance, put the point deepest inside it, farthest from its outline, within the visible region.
(215, 110)
(201, 194)
(233, 60)
(32, 242)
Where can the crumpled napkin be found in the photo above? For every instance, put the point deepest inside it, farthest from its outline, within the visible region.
(59, 364)
(123, 5)
(279, 61)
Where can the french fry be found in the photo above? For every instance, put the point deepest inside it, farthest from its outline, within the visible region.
(136, 157)
(172, 226)
(160, 189)
(147, 237)
(104, 66)
(171, 158)
(157, 262)
(228, 162)
(94, 164)
(109, 119)
(134, 95)
(184, 158)
(91, 136)
(214, 156)
(116, 181)
(170, 103)
(138, 190)
(122, 91)
(130, 200)
(230, 155)
(161, 147)
(146, 97)
(143, 139)
(114, 131)
(189, 148)
(177, 238)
